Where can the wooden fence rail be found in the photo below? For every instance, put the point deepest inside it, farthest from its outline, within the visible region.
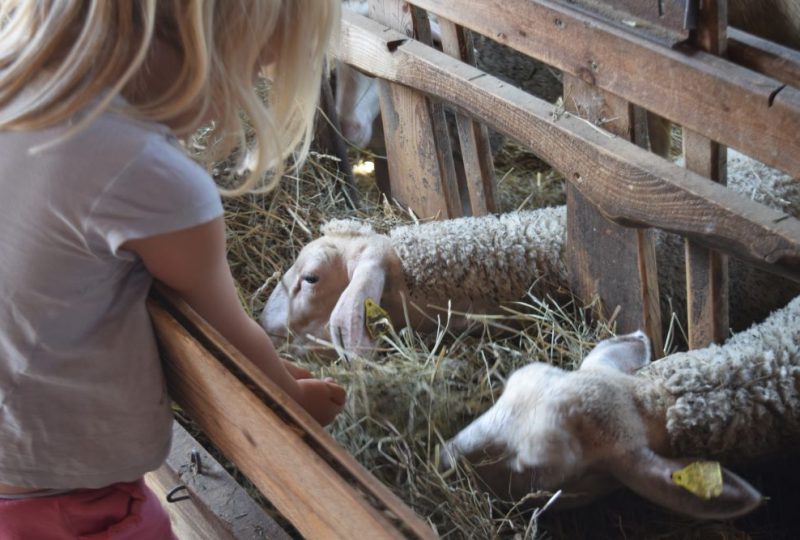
(628, 184)
(312, 481)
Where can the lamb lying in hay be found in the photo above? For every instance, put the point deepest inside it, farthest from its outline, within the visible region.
(620, 420)
(475, 264)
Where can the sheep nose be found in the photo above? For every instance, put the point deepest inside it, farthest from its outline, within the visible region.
(447, 459)
(358, 133)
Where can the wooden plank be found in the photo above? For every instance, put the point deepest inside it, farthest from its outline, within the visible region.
(476, 153)
(707, 269)
(773, 60)
(629, 185)
(217, 508)
(312, 481)
(420, 160)
(659, 20)
(615, 263)
(747, 111)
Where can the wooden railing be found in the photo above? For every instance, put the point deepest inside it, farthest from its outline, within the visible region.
(612, 74)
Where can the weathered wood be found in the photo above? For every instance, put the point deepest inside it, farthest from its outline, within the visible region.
(217, 508)
(329, 139)
(773, 60)
(747, 111)
(420, 160)
(476, 154)
(628, 184)
(659, 20)
(707, 269)
(312, 481)
(606, 260)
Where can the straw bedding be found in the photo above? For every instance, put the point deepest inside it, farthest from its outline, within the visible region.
(421, 389)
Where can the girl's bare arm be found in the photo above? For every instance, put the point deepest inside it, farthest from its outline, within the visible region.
(193, 263)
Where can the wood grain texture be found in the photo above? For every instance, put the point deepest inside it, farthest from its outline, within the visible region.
(773, 60)
(420, 160)
(311, 480)
(706, 269)
(476, 154)
(606, 260)
(628, 184)
(217, 508)
(659, 20)
(746, 110)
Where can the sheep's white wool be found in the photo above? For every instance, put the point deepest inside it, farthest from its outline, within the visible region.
(498, 258)
(346, 227)
(482, 258)
(737, 401)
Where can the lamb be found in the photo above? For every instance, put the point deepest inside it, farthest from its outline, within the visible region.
(475, 264)
(622, 420)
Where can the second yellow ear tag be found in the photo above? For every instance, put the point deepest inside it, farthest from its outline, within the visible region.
(703, 478)
(376, 318)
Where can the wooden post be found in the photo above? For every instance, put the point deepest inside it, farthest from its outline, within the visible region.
(476, 154)
(615, 263)
(420, 159)
(706, 269)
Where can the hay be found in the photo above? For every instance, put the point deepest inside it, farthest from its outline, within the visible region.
(421, 389)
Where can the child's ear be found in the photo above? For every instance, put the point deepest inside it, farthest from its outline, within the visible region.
(626, 353)
(651, 476)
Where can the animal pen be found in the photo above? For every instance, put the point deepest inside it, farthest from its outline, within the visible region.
(622, 61)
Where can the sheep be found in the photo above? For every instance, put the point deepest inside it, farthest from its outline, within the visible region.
(476, 263)
(622, 420)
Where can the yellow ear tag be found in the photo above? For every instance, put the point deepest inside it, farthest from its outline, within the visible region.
(376, 319)
(703, 478)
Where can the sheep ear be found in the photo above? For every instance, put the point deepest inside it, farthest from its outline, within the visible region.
(347, 322)
(626, 353)
(651, 476)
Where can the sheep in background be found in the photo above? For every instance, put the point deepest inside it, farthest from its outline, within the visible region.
(477, 263)
(358, 104)
(621, 420)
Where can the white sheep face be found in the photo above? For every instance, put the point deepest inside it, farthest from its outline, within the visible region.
(585, 432)
(526, 443)
(320, 300)
(302, 302)
(357, 104)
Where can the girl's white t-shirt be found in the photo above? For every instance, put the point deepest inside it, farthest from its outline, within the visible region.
(82, 396)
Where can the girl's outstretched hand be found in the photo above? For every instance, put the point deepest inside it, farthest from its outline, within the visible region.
(298, 372)
(323, 399)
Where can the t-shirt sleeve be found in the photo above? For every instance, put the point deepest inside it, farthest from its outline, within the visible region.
(162, 190)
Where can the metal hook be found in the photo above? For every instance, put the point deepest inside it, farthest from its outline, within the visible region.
(171, 498)
(195, 463)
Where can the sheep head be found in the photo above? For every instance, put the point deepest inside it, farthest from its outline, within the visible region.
(321, 296)
(585, 432)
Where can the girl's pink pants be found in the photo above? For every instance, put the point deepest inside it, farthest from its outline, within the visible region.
(126, 511)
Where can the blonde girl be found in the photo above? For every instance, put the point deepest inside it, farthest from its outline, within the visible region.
(97, 198)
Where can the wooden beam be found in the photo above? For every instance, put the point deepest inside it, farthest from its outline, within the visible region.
(215, 506)
(312, 481)
(420, 160)
(615, 263)
(659, 20)
(747, 111)
(773, 60)
(628, 184)
(476, 154)
(707, 269)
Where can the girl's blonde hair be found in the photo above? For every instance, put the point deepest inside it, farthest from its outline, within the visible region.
(77, 50)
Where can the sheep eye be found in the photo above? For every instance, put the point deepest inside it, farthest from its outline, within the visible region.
(310, 278)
